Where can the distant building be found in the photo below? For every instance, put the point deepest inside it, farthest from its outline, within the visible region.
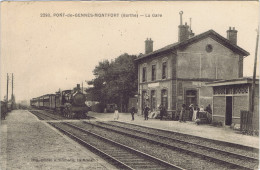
(176, 74)
(24, 102)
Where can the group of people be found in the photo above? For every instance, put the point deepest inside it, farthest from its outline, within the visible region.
(132, 111)
(162, 109)
(146, 110)
(193, 112)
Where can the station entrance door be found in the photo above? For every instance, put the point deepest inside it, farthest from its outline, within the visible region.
(191, 97)
(228, 110)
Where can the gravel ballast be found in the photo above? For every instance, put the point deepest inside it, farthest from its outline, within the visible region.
(180, 159)
(189, 138)
(27, 143)
(224, 156)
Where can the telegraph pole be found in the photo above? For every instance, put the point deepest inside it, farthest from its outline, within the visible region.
(82, 87)
(12, 97)
(7, 88)
(254, 75)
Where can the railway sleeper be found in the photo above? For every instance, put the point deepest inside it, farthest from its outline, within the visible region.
(205, 157)
(219, 142)
(151, 158)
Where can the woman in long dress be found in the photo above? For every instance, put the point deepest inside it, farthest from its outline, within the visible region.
(182, 113)
(116, 114)
(191, 111)
(195, 111)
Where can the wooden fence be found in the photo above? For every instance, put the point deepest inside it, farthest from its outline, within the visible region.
(246, 121)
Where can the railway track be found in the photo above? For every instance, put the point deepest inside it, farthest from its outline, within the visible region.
(231, 147)
(229, 159)
(51, 115)
(125, 159)
(43, 116)
(122, 156)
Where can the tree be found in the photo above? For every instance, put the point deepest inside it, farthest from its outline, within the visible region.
(115, 81)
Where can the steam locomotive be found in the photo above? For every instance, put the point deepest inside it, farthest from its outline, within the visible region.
(69, 103)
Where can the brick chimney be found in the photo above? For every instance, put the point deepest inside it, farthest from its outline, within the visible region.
(232, 35)
(191, 34)
(78, 86)
(148, 46)
(183, 30)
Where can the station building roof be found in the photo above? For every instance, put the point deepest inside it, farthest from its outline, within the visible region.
(210, 33)
(242, 80)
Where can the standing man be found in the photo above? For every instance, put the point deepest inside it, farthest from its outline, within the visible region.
(132, 111)
(209, 113)
(208, 109)
(163, 111)
(182, 113)
(146, 110)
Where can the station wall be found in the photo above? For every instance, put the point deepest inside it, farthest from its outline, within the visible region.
(196, 62)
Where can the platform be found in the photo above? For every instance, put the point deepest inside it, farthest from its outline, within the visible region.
(28, 143)
(207, 131)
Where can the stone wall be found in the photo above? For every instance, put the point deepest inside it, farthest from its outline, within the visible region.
(205, 96)
(196, 62)
(158, 84)
(157, 61)
(219, 108)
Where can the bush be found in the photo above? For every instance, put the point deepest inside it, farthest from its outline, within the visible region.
(99, 108)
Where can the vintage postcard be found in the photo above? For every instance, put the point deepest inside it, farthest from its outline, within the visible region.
(129, 85)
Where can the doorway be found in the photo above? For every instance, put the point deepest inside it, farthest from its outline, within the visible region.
(144, 95)
(228, 110)
(153, 100)
(191, 97)
(164, 98)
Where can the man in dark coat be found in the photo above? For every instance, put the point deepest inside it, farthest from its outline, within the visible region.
(162, 111)
(208, 109)
(146, 110)
(182, 113)
(132, 111)
(209, 113)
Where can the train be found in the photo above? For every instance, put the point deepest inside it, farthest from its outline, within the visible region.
(68, 103)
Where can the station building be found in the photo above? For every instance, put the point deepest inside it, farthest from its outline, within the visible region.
(177, 74)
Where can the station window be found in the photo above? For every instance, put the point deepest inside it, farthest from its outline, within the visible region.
(164, 69)
(153, 100)
(144, 74)
(164, 98)
(144, 99)
(153, 72)
(180, 89)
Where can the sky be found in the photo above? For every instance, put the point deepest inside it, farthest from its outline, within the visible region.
(48, 53)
